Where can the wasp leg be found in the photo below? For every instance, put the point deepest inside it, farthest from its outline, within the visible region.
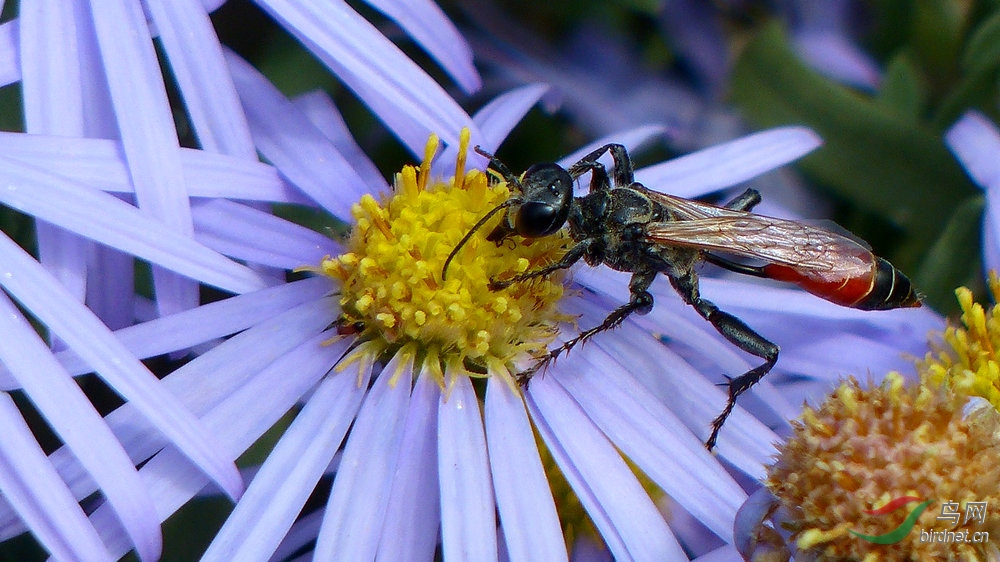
(641, 302)
(737, 332)
(569, 258)
(745, 201)
(623, 174)
(598, 175)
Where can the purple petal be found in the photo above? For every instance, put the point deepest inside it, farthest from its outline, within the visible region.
(976, 143)
(722, 554)
(528, 516)
(729, 163)
(50, 67)
(675, 320)
(53, 104)
(835, 56)
(10, 67)
(108, 220)
(991, 236)
(285, 480)
(218, 377)
(196, 61)
(215, 320)
(497, 118)
(112, 297)
(646, 432)
(296, 147)
(39, 495)
(146, 126)
(430, 28)
(302, 534)
(258, 237)
(620, 508)
(357, 504)
(70, 414)
(749, 519)
(37, 291)
(745, 442)
(319, 109)
(393, 86)
(64, 254)
(99, 164)
(468, 518)
(413, 516)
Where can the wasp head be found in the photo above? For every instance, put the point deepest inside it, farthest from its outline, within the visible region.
(541, 209)
(546, 197)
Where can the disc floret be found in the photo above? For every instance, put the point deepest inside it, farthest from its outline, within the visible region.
(391, 276)
(864, 447)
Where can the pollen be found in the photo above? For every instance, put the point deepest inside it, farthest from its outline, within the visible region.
(864, 447)
(967, 357)
(391, 280)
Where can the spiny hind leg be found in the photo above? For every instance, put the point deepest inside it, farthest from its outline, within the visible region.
(737, 332)
(641, 302)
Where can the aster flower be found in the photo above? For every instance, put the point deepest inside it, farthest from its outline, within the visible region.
(431, 445)
(60, 45)
(891, 445)
(242, 386)
(975, 141)
(941, 444)
(88, 74)
(864, 448)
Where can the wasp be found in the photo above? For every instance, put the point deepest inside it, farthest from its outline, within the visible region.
(626, 226)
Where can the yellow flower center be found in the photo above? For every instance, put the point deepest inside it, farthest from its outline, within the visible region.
(969, 360)
(865, 447)
(391, 276)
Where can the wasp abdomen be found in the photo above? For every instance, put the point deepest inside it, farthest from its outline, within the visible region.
(880, 287)
(890, 289)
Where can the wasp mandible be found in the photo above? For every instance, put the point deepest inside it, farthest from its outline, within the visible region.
(628, 227)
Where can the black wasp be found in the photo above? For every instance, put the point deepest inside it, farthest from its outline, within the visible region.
(622, 224)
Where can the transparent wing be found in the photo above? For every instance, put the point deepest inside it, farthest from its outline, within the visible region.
(688, 209)
(807, 249)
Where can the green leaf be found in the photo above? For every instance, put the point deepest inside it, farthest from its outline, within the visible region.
(937, 36)
(980, 63)
(872, 156)
(903, 89)
(983, 48)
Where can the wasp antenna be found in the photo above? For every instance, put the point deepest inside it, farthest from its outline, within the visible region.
(477, 226)
(499, 166)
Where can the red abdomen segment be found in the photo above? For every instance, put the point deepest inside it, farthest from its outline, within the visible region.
(881, 287)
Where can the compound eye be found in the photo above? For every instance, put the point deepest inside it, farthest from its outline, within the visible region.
(536, 219)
